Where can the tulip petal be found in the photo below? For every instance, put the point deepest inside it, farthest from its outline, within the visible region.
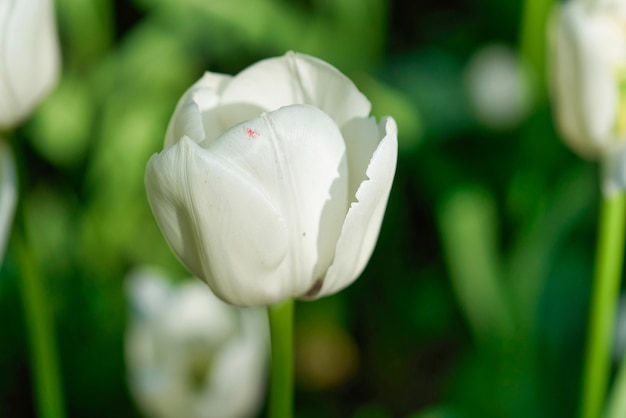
(8, 195)
(148, 291)
(196, 115)
(599, 77)
(362, 224)
(362, 137)
(564, 81)
(239, 369)
(194, 353)
(195, 310)
(292, 79)
(256, 212)
(213, 217)
(588, 47)
(29, 56)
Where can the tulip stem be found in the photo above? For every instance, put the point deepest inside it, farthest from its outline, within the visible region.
(40, 332)
(281, 377)
(533, 42)
(603, 303)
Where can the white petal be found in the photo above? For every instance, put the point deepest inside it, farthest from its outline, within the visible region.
(239, 371)
(8, 195)
(564, 71)
(589, 49)
(362, 224)
(196, 115)
(29, 56)
(292, 79)
(599, 39)
(255, 214)
(214, 219)
(196, 311)
(362, 137)
(163, 360)
(148, 291)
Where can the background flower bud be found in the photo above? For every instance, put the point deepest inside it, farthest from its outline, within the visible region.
(29, 57)
(588, 75)
(189, 354)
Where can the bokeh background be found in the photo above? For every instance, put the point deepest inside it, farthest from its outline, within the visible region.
(474, 302)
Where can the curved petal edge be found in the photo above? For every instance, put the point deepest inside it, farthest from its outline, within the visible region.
(363, 221)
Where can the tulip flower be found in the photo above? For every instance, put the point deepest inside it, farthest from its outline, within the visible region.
(8, 195)
(29, 57)
(190, 354)
(588, 80)
(273, 183)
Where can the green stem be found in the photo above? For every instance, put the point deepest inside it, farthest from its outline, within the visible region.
(603, 303)
(40, 328)
(533, 42)
(281, 378)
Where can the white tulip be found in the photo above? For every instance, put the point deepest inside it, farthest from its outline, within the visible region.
(8, 195)
(29, 57)
(191, 355)
(588, 78)
(273, 183)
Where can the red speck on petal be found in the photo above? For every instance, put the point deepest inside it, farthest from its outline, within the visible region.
(251, 132)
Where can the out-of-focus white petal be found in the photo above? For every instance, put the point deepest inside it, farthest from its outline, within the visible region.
(29, 56)
(147, 291)
(194, 311)
(195, 115)
(564, 73)
(245, 356)
(599, 38)
(216, 355)
(292, 79)
(362, 224)
(257, 212)
(588, 71)
(8, 195)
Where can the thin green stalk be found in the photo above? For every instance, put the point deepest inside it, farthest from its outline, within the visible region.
(603, 303)
(281, 377)
(39, 324)
(533, 42)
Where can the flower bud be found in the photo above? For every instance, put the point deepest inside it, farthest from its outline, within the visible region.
(273, 183)
(588, 75)
(191, 355)
(29, 57)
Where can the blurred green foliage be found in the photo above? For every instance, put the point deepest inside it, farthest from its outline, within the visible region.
(474, 302)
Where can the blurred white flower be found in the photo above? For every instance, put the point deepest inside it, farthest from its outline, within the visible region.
(8, 195)
(588, 79)
(497, 87)
(29, 57)
(191, 355)
(273, 183)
